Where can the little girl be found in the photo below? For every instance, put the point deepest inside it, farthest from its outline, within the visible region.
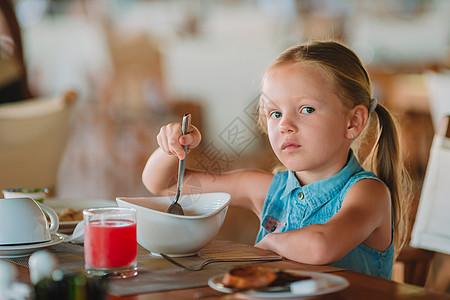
(325, 208)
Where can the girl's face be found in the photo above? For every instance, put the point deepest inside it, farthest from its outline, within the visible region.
(306, 121)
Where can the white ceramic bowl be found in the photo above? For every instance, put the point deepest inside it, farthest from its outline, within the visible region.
(175, 235)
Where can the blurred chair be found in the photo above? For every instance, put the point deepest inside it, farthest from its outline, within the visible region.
(438, 86)
(416, 264)
(430, 232)
(33, 135)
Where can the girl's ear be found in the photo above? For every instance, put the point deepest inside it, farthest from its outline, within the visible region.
(358, 116)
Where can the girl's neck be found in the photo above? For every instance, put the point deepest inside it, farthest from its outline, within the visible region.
(306, 177)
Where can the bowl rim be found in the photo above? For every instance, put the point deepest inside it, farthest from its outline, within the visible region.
(226, 203)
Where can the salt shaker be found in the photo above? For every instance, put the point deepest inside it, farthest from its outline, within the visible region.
(42, 264)
(9, 288)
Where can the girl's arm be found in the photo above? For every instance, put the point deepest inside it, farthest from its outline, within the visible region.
(365, 217)
(248, 188)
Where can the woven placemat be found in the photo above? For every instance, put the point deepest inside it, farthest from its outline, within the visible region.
(70, 257)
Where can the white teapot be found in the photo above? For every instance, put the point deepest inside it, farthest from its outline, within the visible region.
(22, 221)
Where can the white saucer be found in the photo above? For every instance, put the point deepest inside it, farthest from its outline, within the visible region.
(25, 250)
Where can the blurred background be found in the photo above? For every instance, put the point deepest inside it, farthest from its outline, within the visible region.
(138, 64)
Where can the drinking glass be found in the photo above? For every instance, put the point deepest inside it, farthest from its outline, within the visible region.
(110, 245)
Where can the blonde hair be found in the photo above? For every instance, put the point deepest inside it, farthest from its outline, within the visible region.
(378, 147)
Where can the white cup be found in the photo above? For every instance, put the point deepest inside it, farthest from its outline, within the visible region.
(22, 221)
(37, 194)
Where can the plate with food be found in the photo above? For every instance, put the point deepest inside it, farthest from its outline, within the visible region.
(264, 282)
(70, 211)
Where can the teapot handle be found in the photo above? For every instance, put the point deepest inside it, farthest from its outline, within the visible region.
(54, 220)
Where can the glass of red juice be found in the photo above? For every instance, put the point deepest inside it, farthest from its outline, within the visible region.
(110, 245)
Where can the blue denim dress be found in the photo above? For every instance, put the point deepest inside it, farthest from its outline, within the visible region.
(289, 206)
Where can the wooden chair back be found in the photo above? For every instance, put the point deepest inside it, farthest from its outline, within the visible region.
(33, 135)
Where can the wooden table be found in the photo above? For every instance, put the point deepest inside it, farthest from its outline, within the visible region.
(361, 286)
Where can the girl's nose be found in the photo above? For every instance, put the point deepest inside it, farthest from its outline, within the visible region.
(287, 126)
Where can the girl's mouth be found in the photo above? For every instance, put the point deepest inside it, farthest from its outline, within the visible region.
(289, 146)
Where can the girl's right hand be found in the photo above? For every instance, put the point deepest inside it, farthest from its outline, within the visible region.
(171, 141)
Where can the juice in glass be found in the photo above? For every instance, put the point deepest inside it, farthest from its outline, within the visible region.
(110, 245)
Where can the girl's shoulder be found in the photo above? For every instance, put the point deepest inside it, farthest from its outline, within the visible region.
(361, 175)
(281, 175)
(364, 183)
(280, 181)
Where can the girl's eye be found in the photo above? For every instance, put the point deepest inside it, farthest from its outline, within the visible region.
(307, 110)
(275, 114)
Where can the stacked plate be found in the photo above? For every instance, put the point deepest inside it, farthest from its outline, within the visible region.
(18, 250)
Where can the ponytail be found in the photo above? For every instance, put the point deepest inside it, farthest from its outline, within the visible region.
(386, 162)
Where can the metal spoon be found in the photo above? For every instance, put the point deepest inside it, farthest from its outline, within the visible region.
(175, 208)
